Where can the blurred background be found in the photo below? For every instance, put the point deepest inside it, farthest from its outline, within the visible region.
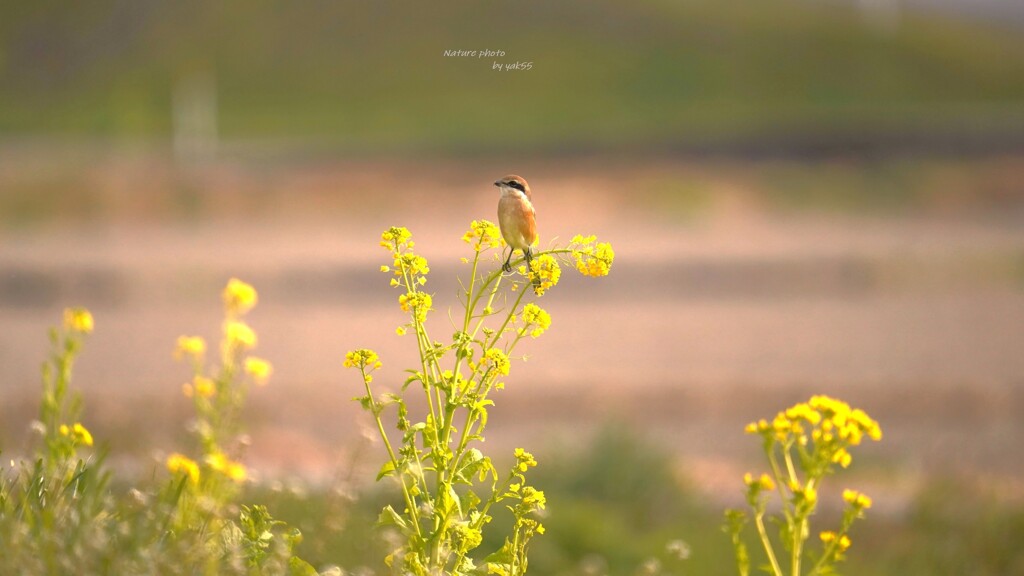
(805, 196)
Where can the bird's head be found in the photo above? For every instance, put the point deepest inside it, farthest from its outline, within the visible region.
(514, 185)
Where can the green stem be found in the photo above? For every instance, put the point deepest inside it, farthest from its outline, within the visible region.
(825, 556)
(759, 521)
(781, 483)
(497, 335)
(799, 532)
(469, 293)
(410, 502)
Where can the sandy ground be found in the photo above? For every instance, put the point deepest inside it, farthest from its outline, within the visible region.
(705, 323)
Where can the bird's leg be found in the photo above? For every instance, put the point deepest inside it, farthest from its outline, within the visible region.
(507, 267)
(529, 265)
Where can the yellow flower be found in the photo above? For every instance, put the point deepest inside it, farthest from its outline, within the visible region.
(806, 494)
(259, 369)
(82, 434)
(592, 258)
(400, 330)
(842, 457)
(203, 386)
(79, 434)
(803, 411)
(762, 483)
(221, 463)
(395, 237)
(758, 427)
(217, 461)
(544, 273)
(193, 346)
(239, 297)
(857, 499)
(828, 537)
(411, 264)
(418, 302)
(78, 320)
(482, 234)
(239, 334)
(236, 472)
(180, 463)
(362, 358)
(498, 360)
(535, 316)
(524, 459)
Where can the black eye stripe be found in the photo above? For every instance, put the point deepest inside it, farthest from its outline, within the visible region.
(516, 185)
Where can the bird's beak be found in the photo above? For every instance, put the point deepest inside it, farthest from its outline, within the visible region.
(497, 183)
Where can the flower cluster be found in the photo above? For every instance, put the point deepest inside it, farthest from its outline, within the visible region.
(544, 273)
(218, 395)
(362, 358)
(238, 335)
(78, 320)
(412, 264)
(239, 297)
(842, 542)
(419, 303)
(179, 463)
(762, 483)
(78, 434)
(218, 462)
(537, 318)
(190, 347)
(592, 258)
(201, 387)
(259, 369)
(857, 500)
(498, 360)
(396, 238)
(482, 234)
(410, 270)
(822, 426)
(803, 444)
(524, 460)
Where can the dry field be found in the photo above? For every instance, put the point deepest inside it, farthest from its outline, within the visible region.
(721, 308)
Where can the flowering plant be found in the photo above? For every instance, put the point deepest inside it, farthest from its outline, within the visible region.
(803, 444)
(448, 485)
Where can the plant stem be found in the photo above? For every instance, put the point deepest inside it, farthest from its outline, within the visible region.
(759, 521)
(409, 500)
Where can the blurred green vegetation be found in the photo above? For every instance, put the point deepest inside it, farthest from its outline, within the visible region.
(372, 76)
(618, 506)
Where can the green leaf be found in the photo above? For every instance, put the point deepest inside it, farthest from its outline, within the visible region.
(470, 500)
(299, 567)
(387, 469)
(388, 517)
(364, 401)
(500, 561)
(416, 377)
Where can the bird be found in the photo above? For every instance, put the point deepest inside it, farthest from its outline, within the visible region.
(516, 217)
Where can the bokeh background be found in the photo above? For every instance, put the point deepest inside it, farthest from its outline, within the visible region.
(804, 197)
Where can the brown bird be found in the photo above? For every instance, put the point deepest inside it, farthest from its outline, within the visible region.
(516, 217)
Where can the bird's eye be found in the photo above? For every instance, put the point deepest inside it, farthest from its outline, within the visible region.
(514, 184)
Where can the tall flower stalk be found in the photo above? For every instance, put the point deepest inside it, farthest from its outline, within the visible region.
(448, 485)
(803, 444)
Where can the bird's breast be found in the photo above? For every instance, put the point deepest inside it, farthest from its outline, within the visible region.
(517, 222)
